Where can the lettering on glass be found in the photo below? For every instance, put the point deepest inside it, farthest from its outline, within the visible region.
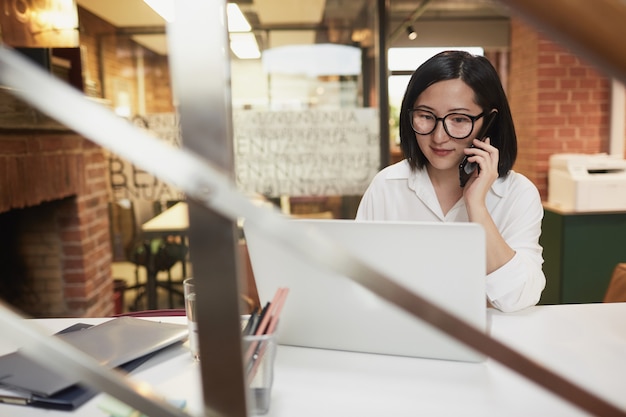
(295, 153)
(305, 153)
(133, 183)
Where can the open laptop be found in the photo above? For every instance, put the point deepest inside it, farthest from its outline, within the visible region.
(442, 261)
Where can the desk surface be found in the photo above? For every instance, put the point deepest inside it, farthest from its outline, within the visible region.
(174, 219)
(585, 342)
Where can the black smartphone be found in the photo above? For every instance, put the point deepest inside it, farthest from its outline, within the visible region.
(466, 168)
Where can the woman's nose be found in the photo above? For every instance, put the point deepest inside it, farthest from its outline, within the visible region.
(439, 134)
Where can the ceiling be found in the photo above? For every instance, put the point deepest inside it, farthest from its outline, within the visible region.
(278, 22)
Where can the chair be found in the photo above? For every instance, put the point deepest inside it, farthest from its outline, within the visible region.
(172, 249)
(123, 231)
(316, 207)
(161, 254)
(129, 246)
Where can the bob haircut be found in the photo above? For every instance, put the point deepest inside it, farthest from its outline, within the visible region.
(478, 73)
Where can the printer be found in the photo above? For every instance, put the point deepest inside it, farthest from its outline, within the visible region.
(587, 182)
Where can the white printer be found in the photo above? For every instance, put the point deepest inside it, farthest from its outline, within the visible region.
(587, 182)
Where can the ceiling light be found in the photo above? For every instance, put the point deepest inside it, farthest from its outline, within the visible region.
(411, 33)
(242, 42)
(244, 45)
(237, 22)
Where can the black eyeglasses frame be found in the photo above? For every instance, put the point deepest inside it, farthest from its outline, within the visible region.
(442, 120)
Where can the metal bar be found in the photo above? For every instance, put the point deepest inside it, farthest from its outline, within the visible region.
(217, 192)
(594, 29)
(382, 67)
(151, 278)
(201, 79)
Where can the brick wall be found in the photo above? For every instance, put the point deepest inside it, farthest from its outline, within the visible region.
(38, 245)
(157, 84)
(59, 180)
(560, 103)
(117, 71)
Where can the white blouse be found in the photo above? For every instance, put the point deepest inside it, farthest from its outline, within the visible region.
(397, 193)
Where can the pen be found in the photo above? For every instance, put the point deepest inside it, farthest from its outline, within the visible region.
(251, 324)
(262, 326)
(261, 319)
(282, 296)
(278, 303)
(9, 399)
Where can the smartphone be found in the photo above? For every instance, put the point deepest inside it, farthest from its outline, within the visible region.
(466, 168)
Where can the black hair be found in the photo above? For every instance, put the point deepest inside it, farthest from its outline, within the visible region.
(478, 73)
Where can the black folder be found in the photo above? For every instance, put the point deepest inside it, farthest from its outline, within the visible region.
(122, 343)
(76, 395)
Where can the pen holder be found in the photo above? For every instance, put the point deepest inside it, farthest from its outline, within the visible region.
(189, 291)
(259, 354)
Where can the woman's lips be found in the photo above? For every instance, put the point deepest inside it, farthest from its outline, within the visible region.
(441, 152)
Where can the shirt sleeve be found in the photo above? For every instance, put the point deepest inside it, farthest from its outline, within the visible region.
(365, 207)
(372, 200)
(519, 283)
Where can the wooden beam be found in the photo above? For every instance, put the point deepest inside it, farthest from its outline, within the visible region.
(595, 30)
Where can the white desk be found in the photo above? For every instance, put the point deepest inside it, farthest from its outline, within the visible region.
(171, 221)
(585, 342)
(175, 220)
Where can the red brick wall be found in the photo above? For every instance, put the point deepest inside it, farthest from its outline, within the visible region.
(523, 90)
(38, 168)
(560, 103)
(117, 70)
(158, 84)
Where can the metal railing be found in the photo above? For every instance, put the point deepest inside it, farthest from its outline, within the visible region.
(201, 169)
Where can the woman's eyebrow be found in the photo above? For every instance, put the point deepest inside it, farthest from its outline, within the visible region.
(453, 110)
(424, 107)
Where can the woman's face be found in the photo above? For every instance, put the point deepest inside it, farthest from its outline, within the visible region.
(442, 98)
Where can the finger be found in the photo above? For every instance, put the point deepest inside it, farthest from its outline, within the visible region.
(482, 144)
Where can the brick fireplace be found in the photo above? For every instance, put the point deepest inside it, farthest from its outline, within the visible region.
(54, 219)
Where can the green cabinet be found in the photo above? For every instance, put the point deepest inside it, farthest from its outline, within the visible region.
(580, 251)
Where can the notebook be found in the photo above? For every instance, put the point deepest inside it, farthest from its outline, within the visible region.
(112, 343)
(442, 261)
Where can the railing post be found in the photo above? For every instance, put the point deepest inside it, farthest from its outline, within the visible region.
(200, 71)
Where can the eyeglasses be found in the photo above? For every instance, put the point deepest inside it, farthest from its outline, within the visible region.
(456, 125)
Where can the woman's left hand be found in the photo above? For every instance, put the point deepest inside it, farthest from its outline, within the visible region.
(487, 157)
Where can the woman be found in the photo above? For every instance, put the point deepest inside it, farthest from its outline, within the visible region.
(448, 100)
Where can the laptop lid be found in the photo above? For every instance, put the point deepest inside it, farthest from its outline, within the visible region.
(442, 261)
(112, 343)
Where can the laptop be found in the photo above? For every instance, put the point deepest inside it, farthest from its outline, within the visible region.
(442, 261)
(113, 343)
